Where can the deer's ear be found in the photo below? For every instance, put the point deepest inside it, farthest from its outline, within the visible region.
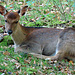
(23, 10)
(3, 10)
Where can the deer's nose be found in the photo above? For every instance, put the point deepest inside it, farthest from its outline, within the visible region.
(9, 31)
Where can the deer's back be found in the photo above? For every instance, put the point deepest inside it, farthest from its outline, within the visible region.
(44, 34)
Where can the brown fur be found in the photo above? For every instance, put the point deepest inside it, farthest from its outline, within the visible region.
(30, 39)
(46, 41)
(13, 15)
(66, 45)
(40, 41)
(2, 10)
(23, 10)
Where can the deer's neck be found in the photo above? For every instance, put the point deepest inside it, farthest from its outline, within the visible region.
(21, 33)
(18, 36)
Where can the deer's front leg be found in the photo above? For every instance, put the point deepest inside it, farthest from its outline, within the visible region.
(17, 49)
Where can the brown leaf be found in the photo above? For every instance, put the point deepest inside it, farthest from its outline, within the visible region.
(71, 62)
(1, 70)
(26, 61)
(55, 6)
(11, 3)
(32, 20)
(40, 73)
(5, 64)
(13, 60)
(47, 11)
(34, 62)
(11, 7)
(6, 53)
(18, 58)
(17, 65)
(1, 26)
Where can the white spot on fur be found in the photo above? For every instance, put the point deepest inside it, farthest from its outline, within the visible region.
(48, 59)
(57, 46)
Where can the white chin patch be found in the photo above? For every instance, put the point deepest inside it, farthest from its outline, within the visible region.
(6, 34)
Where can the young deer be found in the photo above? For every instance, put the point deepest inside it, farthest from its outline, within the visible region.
(29, 39)
(65, 46)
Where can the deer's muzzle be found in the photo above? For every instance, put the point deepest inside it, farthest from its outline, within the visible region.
(9, 32)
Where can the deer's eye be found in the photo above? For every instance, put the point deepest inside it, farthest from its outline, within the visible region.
(5, 20)
(16, 22)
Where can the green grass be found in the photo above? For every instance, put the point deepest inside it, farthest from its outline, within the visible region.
(23, 64)
(45, 13)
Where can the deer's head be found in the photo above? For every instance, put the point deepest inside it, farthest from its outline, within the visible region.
(12, 18)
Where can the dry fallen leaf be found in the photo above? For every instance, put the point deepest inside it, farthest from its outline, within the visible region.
(26, 61)
(13, 60)
(17, 65)
(6, 53)
(5, 64)
(18, 58)
(71, 62)
(34, 62)
(40, 73)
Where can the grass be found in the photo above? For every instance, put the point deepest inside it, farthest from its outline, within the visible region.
(22, 64)
(44, 13)
(41, 14)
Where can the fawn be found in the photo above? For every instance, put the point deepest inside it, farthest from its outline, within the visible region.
(46, 41)
(29, 39)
